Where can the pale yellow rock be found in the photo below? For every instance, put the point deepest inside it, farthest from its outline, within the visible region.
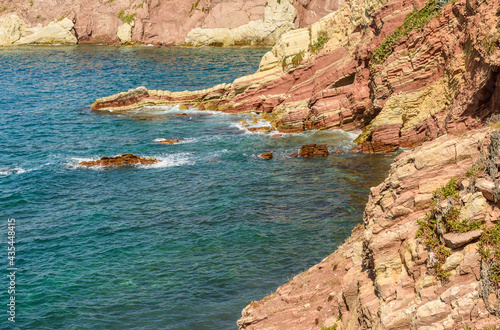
(453, 261)
(279, 16)
(456, 291)
(442, 154)
(474, 208)
(422, 200)
(357, 253)
(124, 32)
(53, 33)
(431, 312)
(11, 29)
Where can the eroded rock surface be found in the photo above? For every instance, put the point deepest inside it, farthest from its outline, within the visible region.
(383, 276)
(439, 78)
(208, 22)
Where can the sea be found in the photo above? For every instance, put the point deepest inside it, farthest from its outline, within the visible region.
(185, 243)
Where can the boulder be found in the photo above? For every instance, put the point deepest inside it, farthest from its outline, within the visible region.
(456, 240)
(125, 159)
(124, 32)
(313, 150)
(266, 155)
(11, 29)
(53, 33)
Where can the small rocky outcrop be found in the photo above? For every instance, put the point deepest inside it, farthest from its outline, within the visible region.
(266, 155)
(397, 270)
(170, 141)
(125, 159)
(313, 150)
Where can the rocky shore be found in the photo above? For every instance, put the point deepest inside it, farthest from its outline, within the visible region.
(388, 274)
(420, 74)
(408, 74)
(404, 73)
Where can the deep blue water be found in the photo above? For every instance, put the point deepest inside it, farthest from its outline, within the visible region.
(183, 244)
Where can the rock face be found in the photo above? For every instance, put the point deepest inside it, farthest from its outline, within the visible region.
(125, 159)
(14, 31)
(435, 78)
(279, 17)
(385, 275)
(208, 22)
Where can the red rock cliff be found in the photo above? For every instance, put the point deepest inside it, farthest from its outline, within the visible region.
(155, 21)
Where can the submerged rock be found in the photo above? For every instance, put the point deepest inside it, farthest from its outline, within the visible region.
(313, 150)
(125, 159)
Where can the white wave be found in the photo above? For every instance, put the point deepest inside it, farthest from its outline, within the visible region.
(170, 161)
(174, 109)
(12, 171)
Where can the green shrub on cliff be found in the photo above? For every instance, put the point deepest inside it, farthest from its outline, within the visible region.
(438, 221)
(489, 247)
(129, 18)
(320, 42)
(297, 58)
(417, 19)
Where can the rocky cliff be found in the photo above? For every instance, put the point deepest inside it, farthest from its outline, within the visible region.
(405, 72)
(193, 22)
(427, 255)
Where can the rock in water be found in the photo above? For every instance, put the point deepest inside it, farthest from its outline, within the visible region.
(170, 141)
(313, 150)
(266, 155)
(125, 159)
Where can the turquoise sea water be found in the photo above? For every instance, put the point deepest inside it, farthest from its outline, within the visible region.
(183, 244)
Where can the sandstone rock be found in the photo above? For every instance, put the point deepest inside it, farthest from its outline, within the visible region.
(262, 129)
(295, 154)
(170, 141)
(486, 187)
(431, 312)
(266, 155)
(452, 262)
(274, 136)
(124, 32)
(125, 159)
(53, 33)
(278, 19)
(474, 208)
(456, 240)
(12, 29)
(313, 150)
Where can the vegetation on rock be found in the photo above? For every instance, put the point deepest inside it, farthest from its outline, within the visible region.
(319, 43)
(442, 219)
(417, 19)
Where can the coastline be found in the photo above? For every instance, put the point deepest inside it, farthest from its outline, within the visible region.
(433, 89)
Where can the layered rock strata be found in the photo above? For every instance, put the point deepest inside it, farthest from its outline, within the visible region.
(193, 22)
(436, 78)
(385, 276)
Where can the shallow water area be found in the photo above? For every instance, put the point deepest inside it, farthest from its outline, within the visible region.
(185, 243)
